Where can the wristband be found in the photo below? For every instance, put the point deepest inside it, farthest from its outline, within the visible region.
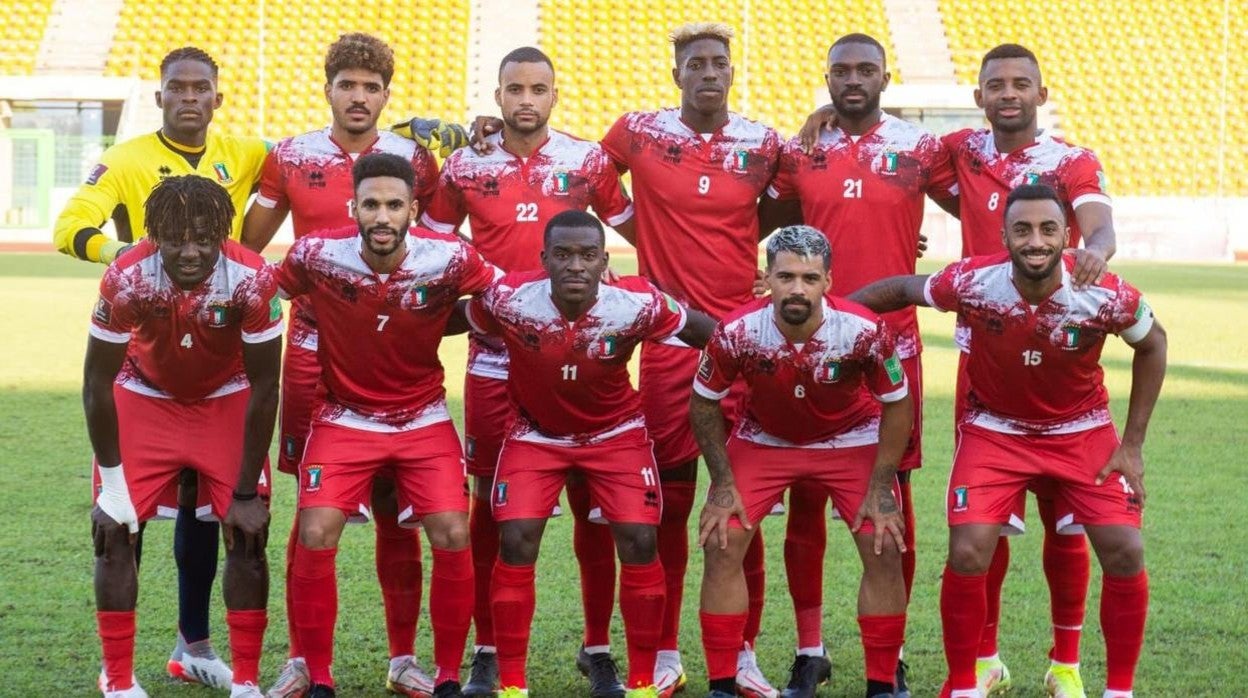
(245, 496)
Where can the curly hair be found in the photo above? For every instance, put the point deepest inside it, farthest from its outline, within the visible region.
(188, 53)
(177, 204)
(360, 51)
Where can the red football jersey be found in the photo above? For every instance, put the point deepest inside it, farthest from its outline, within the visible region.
(696, 199)
(570, 378)
(866, 195)
(379, 336)
(186, 345)
(823, 393)
(1036, 369)
(986, 177)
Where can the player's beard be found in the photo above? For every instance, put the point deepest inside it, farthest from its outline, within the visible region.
(795, 311)
(385, 249)
(868, 106)
(526, 128)
(1019, 259)
(1026, 120)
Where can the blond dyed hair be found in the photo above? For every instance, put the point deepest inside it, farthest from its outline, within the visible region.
(690, 32)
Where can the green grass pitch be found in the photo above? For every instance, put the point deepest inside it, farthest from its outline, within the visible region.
(1196, 547)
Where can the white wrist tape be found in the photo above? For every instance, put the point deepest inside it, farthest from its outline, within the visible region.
(114, 498)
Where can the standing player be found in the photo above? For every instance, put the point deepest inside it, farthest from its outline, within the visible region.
(863, 185)
(384, 295)
(309, 176)
(560, 325)
(182, 371)
(826, 405)
(698, 171)
(116, 189)
(509, 195)
(1036, 407)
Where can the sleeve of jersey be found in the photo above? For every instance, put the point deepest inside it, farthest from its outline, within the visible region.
(942, 180)
(480, 317)
(1134, 317)
(77, 230)
(668, 318)
(1086, 181)
(941, 289)
(478, 273)
(885, 377)
(291, 275)
(717, 368)
(426, 169)
(272, 182)
(262, 310)
(112, 320)
(616, 143)
(784, 184)
(609, 200)
(446, 210)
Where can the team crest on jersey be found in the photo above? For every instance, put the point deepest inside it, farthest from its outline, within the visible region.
(607, 347)
(97, 172)
(500, 494)
(819, 161)
(740, 160)
(103, 313)
(314, 478)
(1070, 337)
(889, 164)
(1031, 178)
(960, 498)
(420, 294)
(218, 314)
(562, 180)
(829, 371)
(223, 173)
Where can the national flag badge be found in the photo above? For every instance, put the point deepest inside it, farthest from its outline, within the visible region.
(218, 314)
(562, 180)
(1031, 178)
(890, 163)
(740, 160)
(960, 498)
(223, 173)
(606, 347)
(97, 172)
(893, 365)
(829, 371)
(1070, 336)
(500, 494)
(421, 293)
(470, 447)
(314, 478)
(103, 313)
(288, 446)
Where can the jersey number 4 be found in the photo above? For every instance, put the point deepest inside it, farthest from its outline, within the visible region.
(186, 342)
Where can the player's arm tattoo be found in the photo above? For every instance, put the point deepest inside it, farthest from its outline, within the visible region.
(707, 421)
(893, 293)
(896, 421)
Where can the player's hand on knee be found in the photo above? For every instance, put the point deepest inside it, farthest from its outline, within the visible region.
(246, 524)
(881, 508)
(107, 533)
(722, 503)
(822, 118)
(114, 498)
(1090, 266)
(484, 126)
(1128, 462)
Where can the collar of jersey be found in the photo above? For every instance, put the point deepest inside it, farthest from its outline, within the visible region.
(178, 147)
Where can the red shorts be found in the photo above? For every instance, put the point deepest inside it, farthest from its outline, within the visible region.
(913, 456)
(666, 384)
(301, 393)
(488, 414)
(622, 477)
(426, 464)
(160, 437)
(992, 471)
(763, 473)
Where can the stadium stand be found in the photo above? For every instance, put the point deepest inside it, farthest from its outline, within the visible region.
(289, 42)
(25, 21)
(1135, 81)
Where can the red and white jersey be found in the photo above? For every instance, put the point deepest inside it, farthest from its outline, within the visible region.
(866, 194)
(1036, 369)
(696, 197)
(986, 177)
(311, 174)
(822, 393)
(509, 199)
(569, 378)
(186, 344)
(379, 334)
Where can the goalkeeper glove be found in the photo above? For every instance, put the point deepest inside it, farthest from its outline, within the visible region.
(112, 249)
(434, 135)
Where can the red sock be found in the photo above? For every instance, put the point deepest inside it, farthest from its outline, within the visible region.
(399, 572)
(882, 638)
(595, 553)
(314, 585)
(674, 555)
(450, 610)
(117, 640)
(962, 610)
(483, 530)
(1067, 569)
(722, 635)
(246, 641)
(908, 558)
(804, 544)
(642, 588)
(995, 581)
(514, 598)
(1124, 610)
(291, 542)
(755, 585)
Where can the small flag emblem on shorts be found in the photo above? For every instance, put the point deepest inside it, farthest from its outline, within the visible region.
(288, 446)
(561, 182)
(314, 478)
(500, 493)
(959, 499)
(470, 447)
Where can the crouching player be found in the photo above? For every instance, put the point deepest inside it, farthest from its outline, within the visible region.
(826, 406)
(570, 339)
(181, 372)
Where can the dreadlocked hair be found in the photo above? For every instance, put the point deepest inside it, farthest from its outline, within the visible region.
(188, 205)
(188, 53)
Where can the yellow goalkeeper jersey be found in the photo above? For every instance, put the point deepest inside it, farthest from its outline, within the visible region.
(119, 185)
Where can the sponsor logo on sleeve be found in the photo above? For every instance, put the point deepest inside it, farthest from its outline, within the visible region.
(103, 312)
(672, 305)
(275, 309)
(893, 365)
(1142, 309)
(96, 172)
